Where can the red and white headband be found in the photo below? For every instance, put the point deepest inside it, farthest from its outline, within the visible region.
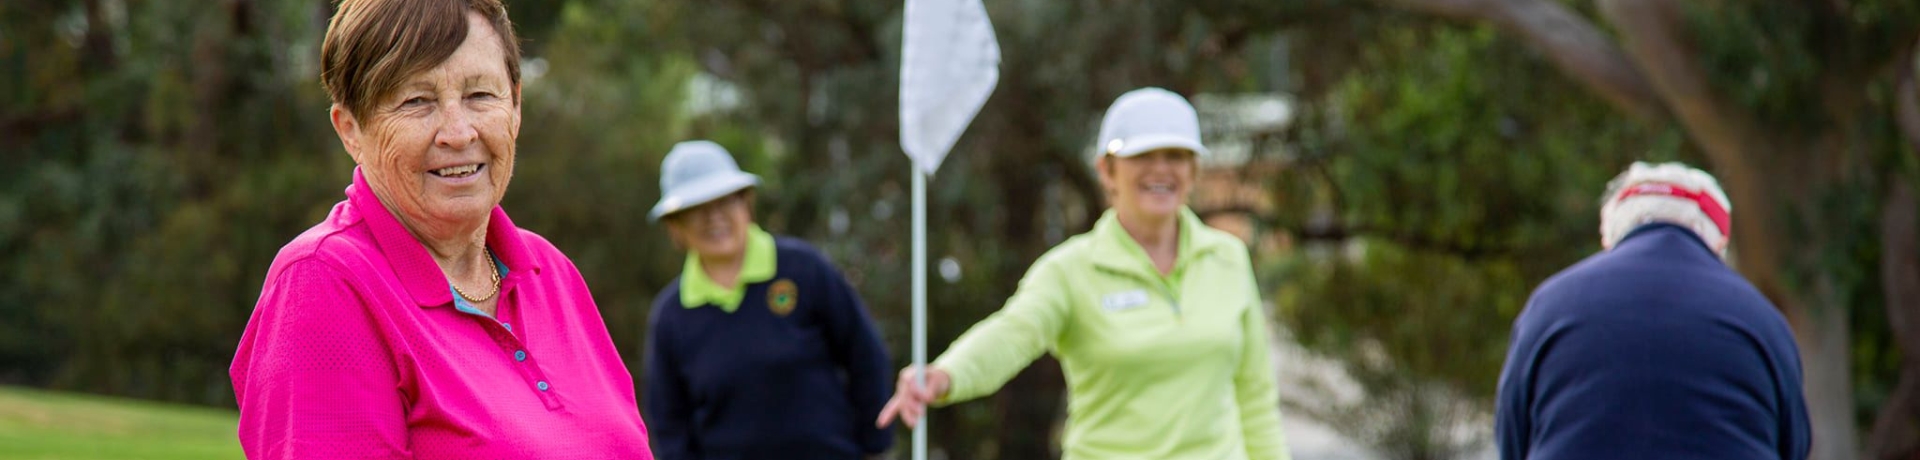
(1714, 211)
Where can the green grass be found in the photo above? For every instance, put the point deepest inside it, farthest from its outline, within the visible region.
(45, 425)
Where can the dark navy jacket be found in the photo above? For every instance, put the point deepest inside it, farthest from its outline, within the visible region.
(1652, 350)
(754, 384)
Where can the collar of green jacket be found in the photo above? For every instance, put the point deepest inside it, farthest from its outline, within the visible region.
(1120, 253)
(697, 290)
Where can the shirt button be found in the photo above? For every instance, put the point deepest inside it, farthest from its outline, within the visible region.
(520, 355)
(509, 326)
(542, 385)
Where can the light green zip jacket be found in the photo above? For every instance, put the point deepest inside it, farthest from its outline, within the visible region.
(1157, 367)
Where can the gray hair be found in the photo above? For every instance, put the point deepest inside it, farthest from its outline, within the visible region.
(1619, 217)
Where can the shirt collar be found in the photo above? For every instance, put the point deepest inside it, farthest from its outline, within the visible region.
(1649, 229)
(465, 306)
(1116, 250)
(697, 290)
(409, 258)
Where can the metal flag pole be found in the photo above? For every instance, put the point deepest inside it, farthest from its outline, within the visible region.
(949, 64)
(920, 303)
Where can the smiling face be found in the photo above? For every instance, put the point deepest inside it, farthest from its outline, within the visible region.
(1152, 185)
(439, 149)
(716, 229)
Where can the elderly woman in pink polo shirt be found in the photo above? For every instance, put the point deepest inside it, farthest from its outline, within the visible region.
(416, 321)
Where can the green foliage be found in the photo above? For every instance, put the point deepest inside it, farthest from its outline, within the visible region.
(1440, 180)
(155, 155)
(138, 145)
(1849, 215)
(594, 130)
(1767, 58)
(160, 154)
(1781, 61)
(1776, 59)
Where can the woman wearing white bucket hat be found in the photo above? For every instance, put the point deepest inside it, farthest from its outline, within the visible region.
(760, 349)
(1154, 317)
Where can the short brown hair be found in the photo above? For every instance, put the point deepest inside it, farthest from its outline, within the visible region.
(372, 46)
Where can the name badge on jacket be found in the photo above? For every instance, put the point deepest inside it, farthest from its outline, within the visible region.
(1124, 300)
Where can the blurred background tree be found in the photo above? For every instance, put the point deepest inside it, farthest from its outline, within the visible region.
(1445, 156)
(1430, 194)
(1798, 107)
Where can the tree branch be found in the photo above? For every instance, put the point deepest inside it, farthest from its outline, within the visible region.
(16, 130)
(792, 17)
(1574, 45)
(1655, 38)
(98, 54)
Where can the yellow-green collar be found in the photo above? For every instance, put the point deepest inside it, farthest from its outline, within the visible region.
(1133, 259)
(696, 290)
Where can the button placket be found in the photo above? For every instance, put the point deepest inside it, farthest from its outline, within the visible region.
(511, 344)
(529, 367)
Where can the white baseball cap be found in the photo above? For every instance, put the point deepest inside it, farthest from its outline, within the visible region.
(696, 172)
(1148, 119)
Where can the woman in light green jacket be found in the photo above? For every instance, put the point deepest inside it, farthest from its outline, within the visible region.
(1154, 317)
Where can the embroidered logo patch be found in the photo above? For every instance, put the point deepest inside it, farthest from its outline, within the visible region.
(782, 296)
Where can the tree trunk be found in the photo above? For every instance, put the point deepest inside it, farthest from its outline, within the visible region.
(1824, 358)
(1659, 54)
(1741, 152)
(1574, 45)
(1895, 431)
(98, 56)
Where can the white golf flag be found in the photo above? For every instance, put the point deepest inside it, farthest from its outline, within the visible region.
(949, 64)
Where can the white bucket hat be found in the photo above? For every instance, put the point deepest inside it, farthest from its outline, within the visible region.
(696, 172)
(1148, 119)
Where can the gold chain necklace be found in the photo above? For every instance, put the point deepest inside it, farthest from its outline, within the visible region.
(493, 270)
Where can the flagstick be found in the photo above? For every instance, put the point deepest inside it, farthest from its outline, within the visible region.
(920, 302)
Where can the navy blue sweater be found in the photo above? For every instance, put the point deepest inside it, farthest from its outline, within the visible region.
(755, 384)
(1654, 349)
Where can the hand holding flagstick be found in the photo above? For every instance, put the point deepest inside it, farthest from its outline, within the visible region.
(949, 64)
(910, 398)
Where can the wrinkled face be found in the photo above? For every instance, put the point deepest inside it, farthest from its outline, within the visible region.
(439, 150)
(716, 228)
(1149, 185)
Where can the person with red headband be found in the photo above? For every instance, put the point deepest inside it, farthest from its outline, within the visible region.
(1653, 348)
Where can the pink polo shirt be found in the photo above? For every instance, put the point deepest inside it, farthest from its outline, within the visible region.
(356, 350)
